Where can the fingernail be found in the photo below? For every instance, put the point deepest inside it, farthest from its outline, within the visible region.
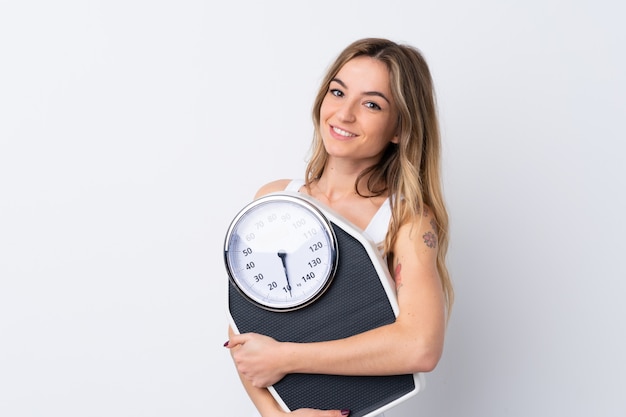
(345, 412)
(226, 344)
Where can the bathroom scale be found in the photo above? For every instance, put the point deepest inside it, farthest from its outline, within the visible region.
(299, 272)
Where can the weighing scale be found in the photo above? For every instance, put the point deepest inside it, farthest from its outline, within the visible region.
(299, 272)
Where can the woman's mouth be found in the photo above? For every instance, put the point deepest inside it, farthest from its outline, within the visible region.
(342, 132)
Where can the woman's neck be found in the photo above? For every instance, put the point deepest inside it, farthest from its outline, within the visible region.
(332, 188)
(338, 192)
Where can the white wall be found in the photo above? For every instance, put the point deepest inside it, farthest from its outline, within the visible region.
(132, 131)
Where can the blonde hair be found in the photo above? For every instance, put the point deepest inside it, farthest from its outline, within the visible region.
(409, 171)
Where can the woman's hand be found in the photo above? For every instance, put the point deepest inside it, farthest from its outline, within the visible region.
(259, 359)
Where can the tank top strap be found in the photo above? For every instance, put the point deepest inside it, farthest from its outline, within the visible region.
(294, 185)
(377, 228)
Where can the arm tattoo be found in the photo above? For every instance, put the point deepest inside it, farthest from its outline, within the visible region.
(430, 239)
(397, 277)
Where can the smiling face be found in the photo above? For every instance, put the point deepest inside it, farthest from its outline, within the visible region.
(358, 116)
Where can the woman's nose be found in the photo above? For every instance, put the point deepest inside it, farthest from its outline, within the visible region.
(346, 112)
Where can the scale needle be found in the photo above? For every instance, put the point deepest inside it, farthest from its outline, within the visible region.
(283, 255)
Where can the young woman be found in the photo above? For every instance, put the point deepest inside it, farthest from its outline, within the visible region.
(375, 159)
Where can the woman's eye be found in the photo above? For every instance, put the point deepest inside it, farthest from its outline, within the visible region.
(371, 105)
(336, 93)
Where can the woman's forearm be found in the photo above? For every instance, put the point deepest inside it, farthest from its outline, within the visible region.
(381, 351)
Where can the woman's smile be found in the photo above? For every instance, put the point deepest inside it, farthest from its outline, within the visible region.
(341, 134)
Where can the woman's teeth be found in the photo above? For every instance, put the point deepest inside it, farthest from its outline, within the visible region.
(342, 132)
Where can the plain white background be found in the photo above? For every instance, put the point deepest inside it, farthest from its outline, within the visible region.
(132, 131)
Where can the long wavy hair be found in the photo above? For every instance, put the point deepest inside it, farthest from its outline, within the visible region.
(409, 171)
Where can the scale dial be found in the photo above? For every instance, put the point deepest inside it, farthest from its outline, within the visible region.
(280, 252)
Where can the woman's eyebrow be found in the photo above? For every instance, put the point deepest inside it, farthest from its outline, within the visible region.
(338, 81)
(367, 93)
(378, 94)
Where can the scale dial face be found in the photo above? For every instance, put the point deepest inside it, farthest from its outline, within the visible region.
(280, 252)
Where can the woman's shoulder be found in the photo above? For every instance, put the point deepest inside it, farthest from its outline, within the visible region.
(272, 187)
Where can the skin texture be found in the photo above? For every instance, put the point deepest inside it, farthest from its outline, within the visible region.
(358, 121)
